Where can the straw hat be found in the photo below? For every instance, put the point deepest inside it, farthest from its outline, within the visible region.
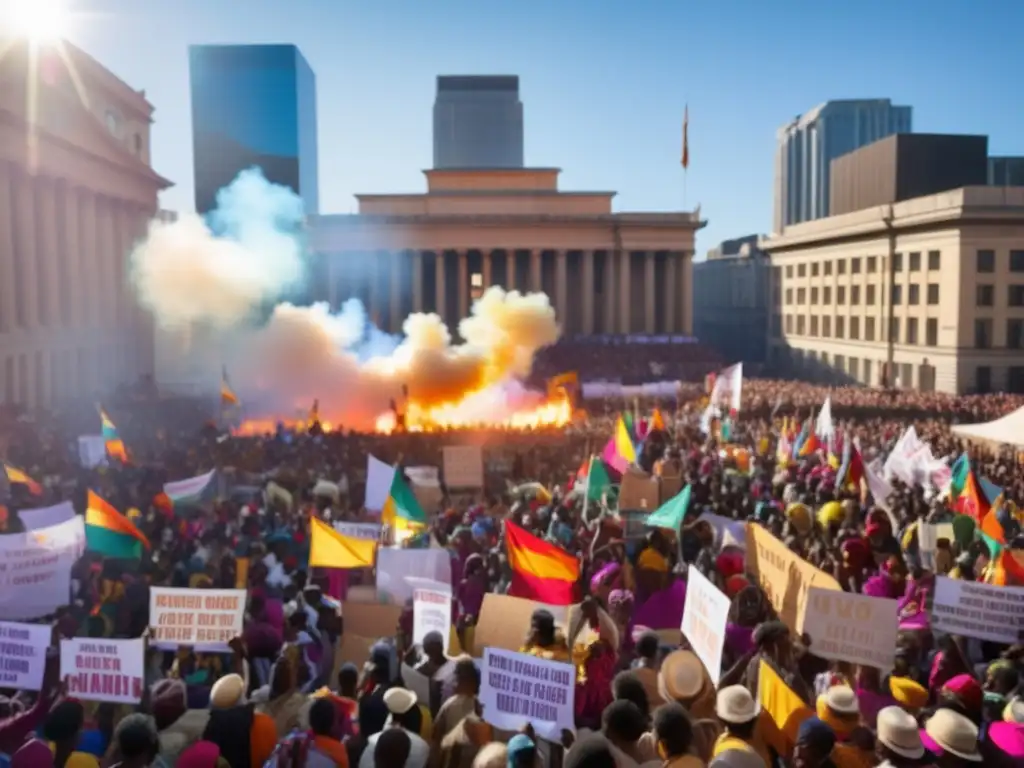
(399, 700)
(681, 676)
(952, 732)
(897, 731)
(227, 692)
(735, 705)
(842, 700)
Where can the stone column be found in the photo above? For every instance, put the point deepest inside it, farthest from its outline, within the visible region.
(8, 289)
(650, 306)
(485, 268)
(49, 289)
(624, 292)
(439, 295)
(510, 269)
(686, 293)
(27, 255)
(88, 261)
(397, 316)
(587, 258)
(610, 297)
(463, 284)
(670, 289)
(536, 283)
(72, 255)
(417, 280)
(562, 287)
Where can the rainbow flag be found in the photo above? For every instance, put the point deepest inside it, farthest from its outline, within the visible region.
(110, 533)
(401, 508)
(107, 428)
(1006, 569)
(113, 442)
(972, 501)
(540, 570)
(17, 477)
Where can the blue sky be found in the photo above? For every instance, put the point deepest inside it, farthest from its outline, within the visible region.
(603, 82)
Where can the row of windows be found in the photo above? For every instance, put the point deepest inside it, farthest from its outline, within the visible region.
(868, 264)
(983, 333)
(827, 327)
(913, 295)
(986, 295)
(985, 261)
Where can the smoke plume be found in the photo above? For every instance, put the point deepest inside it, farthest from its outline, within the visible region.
(218, 279)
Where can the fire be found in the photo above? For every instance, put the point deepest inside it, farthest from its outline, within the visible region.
(257, 427)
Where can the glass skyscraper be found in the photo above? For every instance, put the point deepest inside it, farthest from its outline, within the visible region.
(253, 106)
(478, 122)
(807, 145)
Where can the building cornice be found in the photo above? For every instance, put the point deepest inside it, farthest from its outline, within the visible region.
(667, 220)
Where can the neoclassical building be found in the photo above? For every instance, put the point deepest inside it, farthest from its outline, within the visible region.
(436, 251)
(76, 192)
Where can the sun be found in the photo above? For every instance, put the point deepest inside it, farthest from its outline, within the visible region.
(42, 21)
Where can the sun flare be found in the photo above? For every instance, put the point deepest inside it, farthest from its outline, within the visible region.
(42, 21)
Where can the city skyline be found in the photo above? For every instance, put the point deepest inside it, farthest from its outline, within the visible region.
(611, 122)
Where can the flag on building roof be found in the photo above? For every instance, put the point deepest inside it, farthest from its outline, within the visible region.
(541, 571)
(330, 549)
(110, 533)
(17, 477)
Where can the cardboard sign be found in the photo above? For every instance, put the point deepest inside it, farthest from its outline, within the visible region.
(639, 491)
(850, 627)
(431, 611)
(516, 688)
(705, 615)
(983, 611)
(205, 619)
(463, 466)
(504, 622)
(23, 655)
(784, 576)
(35, 569)
(103, 670)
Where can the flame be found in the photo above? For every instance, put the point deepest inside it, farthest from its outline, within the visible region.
(258, 427)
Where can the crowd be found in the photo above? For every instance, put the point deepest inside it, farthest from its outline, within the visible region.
(292, 690)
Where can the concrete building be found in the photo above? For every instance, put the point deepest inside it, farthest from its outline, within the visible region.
(730, 300)
(431, 252)
(478, 122)
(76, 192)
(951, 263)
(253, 106)
(806, 146)
(1006, 171)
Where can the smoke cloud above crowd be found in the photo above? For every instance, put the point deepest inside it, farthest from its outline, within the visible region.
(223, 281)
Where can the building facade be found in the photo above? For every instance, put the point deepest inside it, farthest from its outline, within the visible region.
(76, 192)
(730, 300)
(806, 146)
(253, 106)
(927, 293)
(604, 272)
(1006, 171)
(478, 122)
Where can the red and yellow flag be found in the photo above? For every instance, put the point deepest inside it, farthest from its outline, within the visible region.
(17, 477)
(540, 570)
(972, 500)
(100, 514)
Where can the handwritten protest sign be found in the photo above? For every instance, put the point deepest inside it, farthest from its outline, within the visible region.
(35, 569)
(517, 688)
(23, 655)
(983, 611)
(103, 670)
(206, 619)
(705, 615)
(854, 628)
(431, 610)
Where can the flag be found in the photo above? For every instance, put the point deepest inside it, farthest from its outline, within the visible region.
(115, 448)
(824, 427)
(1006, 568)
(782, 710)
(330, 549)
(598, 480)
(541, 571)
(958, 476)
(657, 420)
(972, 501)
(107, 428)
(727, 393)
(624, 442)
(227, 394)
(686, 138)
(670, 514)
(401, 506)
(110, 533)
(851, 470)
(17, 477)
(612, 459)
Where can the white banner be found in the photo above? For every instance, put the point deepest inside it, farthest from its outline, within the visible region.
(368, 531)
(103, 670)
(35, 569)
(848, 627)
(705, 614)
(463, 466)
(431, 610)
(516, 688)
(395, 566)
(23, 655)
(982, 611)
(92, 450)
(44, 517)
(205, 619)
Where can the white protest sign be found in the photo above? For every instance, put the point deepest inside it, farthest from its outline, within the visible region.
(516, 688)
(103, 670)
(379, 477)
(928, 535)
(23, 655)
(368, 531)
(396, 566)
(463, 466)
(92, 450)
(35, 569)
(982, 611)
(848, 627)
(44, 517)
(205, 619)
(705, 614)
(431, 610)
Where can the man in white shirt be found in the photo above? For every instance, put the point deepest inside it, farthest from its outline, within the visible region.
(401, 703)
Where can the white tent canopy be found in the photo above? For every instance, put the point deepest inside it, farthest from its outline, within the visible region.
(1008, 430)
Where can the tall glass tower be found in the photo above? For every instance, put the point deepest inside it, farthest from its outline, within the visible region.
(478, 122)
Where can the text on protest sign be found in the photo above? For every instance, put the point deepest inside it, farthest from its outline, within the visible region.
(23, 655)
(854, 628)
(982, 611)
(517, 688)
(705, 614)
(207, 619)
(367, 531)
(103, 670)
(35, 569)
(432, 612)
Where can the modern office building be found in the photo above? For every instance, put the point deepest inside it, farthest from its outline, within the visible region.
(77, 191)
(730, 300)
(253, 106)
(478, 122)
(1006, 171)
(806, 146)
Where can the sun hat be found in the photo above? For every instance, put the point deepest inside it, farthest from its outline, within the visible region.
(399, 700)
(898, 732)
(842, 700)
(681, 676)
(735, 705)
(949, 731)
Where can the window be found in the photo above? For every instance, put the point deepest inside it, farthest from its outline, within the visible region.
(801, 270)
(897, 262)
(828, 268)
(983, 378)
(894, 330)
(986, 295)
(931, 332)
(933, 294)
(912, 330)
(789, 295)
(854, 328)
(872, 264)
(914, 295)
(814, 269)
(801, 295)
(814, 296)
(826, 326)
(867, 372)
(897, 294)
(853, 367)
(814, 325)
(1017, 261)
(870, 299)
(934, 260)
(789, 323)
(855, 295)
(869, 329)
(840, 327)
(476, 280)
(840, 266)
(841, 294)
(1015, 334)
(827, 295)
(1015, 296)
(983, 334)
(789, 270)
(138, 145)
(985, 261)
(915, 261)
(855, 265)
(800, 322)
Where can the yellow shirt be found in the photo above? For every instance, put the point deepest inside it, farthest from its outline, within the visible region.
(727, 741)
